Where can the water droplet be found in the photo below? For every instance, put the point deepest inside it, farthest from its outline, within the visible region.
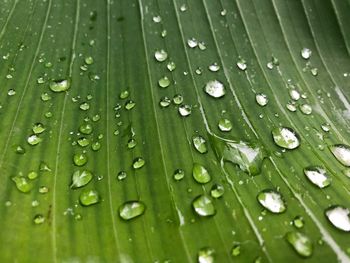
(306, 53)
(314, 71)
(11, 92)
(131, 209)
(223, 12)
(178, 99)
(200, 174)
(291, 106)
(294, 94)
(34, 139)
(32, 175)
(217, 190)
(236, 250)
(306, 109)
(45, 96)
(225, 125)
(326, 127)
(96, 146)
(85, 128)
(200, 144)
(171, 66)
(44, 167)
(206, 255)
(339, 216)
(161, 55)
(179, 174)
(342, 153)
(121, 175)
(183, 8)
(89, 60)
(80, 159)
(60, 85)
(198, 71)
(164, 82)
(35, 203)
(81, 178)
(89, 197)
(138, 163)
(84, 106)
(164, 102)
(318, 176)
(215, 89)
(22, 184)
(157, 19)
(39, 219)
(202, 46)
(131, 143)
(43, 189)
(19, 149)
(300, 242)
(272, 201)
(261, 99)
(203, 205)
(185, 110)
(38, 128)
(248, 156)
(130, 104)
(83, 142)
(298, 221)
(124, 94)
(214, 67)
(163, 33)
(286, 138)
(241, 64)
(192, 42)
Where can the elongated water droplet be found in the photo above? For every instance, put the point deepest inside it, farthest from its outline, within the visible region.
(200, 174)
(215, 89)
(248, 156)
(300, 242)
(272, 201)
(203, 205)
(22, 183)
(318, 176)
(342, 153)
(225, 125)
(217, 190)
(261, 99)
(206, 255)
(286, 138)
(81, 178)
(80, 159)
(306, 53)
(339, 216)
(161, 55)
(60, 85)
(89, 197)
(185, 110)
(131, 209)
(179, 174)
(34, 139)
(200, 144)
(138, 163)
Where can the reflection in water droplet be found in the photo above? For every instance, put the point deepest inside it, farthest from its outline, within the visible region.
(300, 242)
(318, 176)
(339, 216)
(272, 201)
(286, 138)
(215, 89)
(131, 209)
(203, 205)
(342, 153)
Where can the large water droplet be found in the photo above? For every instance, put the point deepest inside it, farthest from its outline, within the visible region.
(339, 216)
(81, 178)
(22, 183)
(206, 255)
(215, 89)
(161, 55)
(248, 156)
(200, 174)
(60, 85)
(318, 176)
(286, 138)
(203, 205)
(272, 201)
(342, 153)
(300, 242)
(200, 144)
(89, 197)
(131, 209)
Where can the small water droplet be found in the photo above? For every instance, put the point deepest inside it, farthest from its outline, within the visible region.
(286, 138)
(34, 139)
(96, 146)
(294, 94)
(306, 109)
(242, 64)
(163, 33)
(157, 19)
(131, 209)
(217, 190)
(131, 143)
(164, 82)
(298, 221)
(192, 42)
(214, 67)
(339, 216)
(318, 176)
(171, 66)
(261, 99)
(300, 242)
(20, 150)
(179, 174)
(60, 85)
(183, 8)
(86, 128)
(200, 144)
(138, 163)
(236, 250)
(83, 142)
(215, 89)
(272, 201)
(206, 255)
(200, 174)
(130, 104)
(291, 106)
(306, 53)
(81, 178)
(164, 102)
(84, 106)
(326, 127)
(124, 94)
(11, 92)
(178, 99)
(80, 159)
(314, 71)
(89, 197)
(203, 205)
(161, 55)
(225, 125)
(185, 110)
(45, 96)
(342, 153)
(38, 128)
(39, 219)
(22, 184)
(121, 175)
(89, 60)
(32, 175)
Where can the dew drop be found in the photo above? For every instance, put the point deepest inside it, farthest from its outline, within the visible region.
(261, 99)
(298, 221)
(179, 174)
(306, 53)
(300, 242)
(138, 163)
(215, 89)
(286, 138)
(164, 82)
(342, 153)
(217, 190)
(130, 104)
(214, 67)
(339, 216)
(124, 94)
(157, 19)
(164, 102)
(225, 125)
(85, 128)
(60, 85)
(38, 128)
(34, 139)
(206, 255)
(161, 55)
(121, 175)
(89, 197)
(200, 144)
(318, 176)
(306, 109)
(192, 42)
(185, 110)
(203, 205)
(171, 66)
(294, 94)
(81, 178)
(178, 99)
(131, 209)
(200, 174)
(241, 64)
(80, 159)
(39, 219)
(22, 184)
(272, 201)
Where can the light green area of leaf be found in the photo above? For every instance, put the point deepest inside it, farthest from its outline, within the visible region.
(88, 72)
